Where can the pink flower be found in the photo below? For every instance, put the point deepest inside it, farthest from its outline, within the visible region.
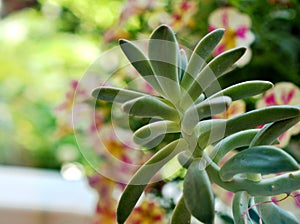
(132, 8)
(237, 26)
(64, 111)
(107, 203)
(283, 93)
(182, 15)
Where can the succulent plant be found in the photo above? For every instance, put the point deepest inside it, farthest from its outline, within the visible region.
(189, 95)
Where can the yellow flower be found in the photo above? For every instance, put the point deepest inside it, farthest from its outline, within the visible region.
(235, 108)
(149, 212)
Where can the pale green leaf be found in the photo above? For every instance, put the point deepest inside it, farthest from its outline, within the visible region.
(113, 94)
(269, 133)
(163, 54)
(197, 191)
(185, 159)
(243, 90)
(181, 215)
(272, 214)
(183, 63)
(140, 62)
(240, 208)
(204, 109)
(154, 130)
(199, 56)
(259, 159)
(211, 72)
(139, 181)
(234, 141)
(150, 107)
(248, 120)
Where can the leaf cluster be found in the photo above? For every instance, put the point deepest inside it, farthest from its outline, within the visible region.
(189, 96)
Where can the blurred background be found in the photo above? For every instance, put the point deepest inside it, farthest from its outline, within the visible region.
(47, 45)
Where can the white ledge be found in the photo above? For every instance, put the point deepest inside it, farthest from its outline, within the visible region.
(39, 196)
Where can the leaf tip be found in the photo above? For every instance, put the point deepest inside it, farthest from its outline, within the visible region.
(95, 92)
(122, 41)
(219, 30)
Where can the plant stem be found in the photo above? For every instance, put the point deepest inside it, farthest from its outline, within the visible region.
(266, 187)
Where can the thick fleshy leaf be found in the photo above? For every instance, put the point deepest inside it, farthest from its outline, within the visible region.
(185, 159)
(163, 54)
(275, 185)
(150, 107)
(139, 181)
(234, 141)
(183, 63)
(269, 133)
(204, 109)
(199, 56)
(181, 215)
(272, 214)
(261, 116)
(240, 208)
(112, 94)
(140, 62)
(154, 130)
(211, 72)
(243, 90)
(259, 159)
(209, 131)
(198, 193)
(247, 120)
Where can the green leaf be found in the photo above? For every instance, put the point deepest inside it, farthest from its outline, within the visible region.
(210, 131)
(198, 193)
(199, 56)
(139, 181)
(163, 53)
(275, 185)
(261, 116)
(270, 132)
(259, 159)
(272, 214)
(215, 69)
(183, 63)
(150, 107)
(185, 159)
(181, 215)
(140, 62)
(234, 141)
(112, 94)
(240, 208)
(243, 90)
(204, 109)
(248, 120)
(151, 131)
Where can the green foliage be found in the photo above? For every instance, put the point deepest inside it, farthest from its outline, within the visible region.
(271, 213)
(185, 106)
(37, 62)
(198, 193)
(181, 213)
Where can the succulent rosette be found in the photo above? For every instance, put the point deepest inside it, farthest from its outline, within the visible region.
(189, 95)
